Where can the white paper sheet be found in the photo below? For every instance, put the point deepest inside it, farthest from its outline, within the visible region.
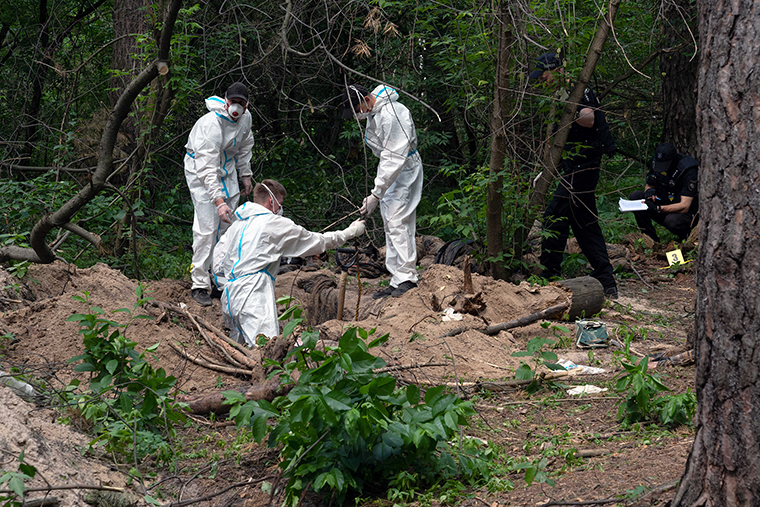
(626, 205)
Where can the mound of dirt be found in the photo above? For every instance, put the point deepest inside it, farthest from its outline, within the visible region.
(53, 449)
(417, 324)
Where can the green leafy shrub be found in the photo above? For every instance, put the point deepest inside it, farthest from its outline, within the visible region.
(128, 401)
(344, 427)
(15, 483)
(534, 349)
(642, 403)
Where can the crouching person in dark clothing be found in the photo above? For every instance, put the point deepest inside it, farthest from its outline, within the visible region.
(670, 194)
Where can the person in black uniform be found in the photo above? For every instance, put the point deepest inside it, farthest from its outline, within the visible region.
(574, 202)
(670, 193)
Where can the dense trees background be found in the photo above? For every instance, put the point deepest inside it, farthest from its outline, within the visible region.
(64, 65)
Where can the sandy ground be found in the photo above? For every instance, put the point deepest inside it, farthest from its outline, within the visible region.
(39, 340)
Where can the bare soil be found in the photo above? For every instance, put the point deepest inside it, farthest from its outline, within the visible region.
(656, 304)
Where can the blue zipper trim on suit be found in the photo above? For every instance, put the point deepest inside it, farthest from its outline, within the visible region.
(191, 155)
(224, 117)
(226, 173)
(240, 248)
(230, 280)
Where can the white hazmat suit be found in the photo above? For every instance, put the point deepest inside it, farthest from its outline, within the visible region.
(391, 136)
(218, 152)
(248, 256)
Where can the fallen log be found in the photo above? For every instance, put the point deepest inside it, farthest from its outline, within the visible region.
(555, 311)
(586, 296)
(552, 312)
(213, 402)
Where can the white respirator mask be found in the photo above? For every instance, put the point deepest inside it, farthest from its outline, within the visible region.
(362, 116)
(235, 110)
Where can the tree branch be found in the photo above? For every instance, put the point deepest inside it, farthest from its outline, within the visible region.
(108, 141)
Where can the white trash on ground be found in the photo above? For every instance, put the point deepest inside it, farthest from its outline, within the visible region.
(449, 314)
(579, 369)
(585, 389)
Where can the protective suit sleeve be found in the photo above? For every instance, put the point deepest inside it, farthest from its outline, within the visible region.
(395, 139)
(243, 157)
(296, 241)
(207, 142)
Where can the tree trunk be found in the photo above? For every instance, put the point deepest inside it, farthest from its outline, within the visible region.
(723, 468)
(679, 81)
(501, 106)
(38, 84)
(128, 22)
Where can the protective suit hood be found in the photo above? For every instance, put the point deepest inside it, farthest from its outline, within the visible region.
(218, 105)
(250, 209)
(384, 95)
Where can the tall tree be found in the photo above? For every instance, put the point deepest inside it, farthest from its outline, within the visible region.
(723, 467)
(501, 108)
(679, 75)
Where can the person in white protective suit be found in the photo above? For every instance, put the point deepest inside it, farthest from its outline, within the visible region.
(391, 136)
(248, 257)
(218, 151)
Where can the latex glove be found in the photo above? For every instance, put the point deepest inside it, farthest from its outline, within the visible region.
(224, 212)
(649, 193)
(247, 186)
(355, 230)
(368, 205)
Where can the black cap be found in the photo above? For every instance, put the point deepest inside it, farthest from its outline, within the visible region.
(237, 91)
(664, 155)
(547, 61)
(352, 97)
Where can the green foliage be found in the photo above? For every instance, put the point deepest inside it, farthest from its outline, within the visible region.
(642, 403)
(14, 481)
(561, 333)
(539, 357)
(343, 428)
(128, 401)
(535, 471)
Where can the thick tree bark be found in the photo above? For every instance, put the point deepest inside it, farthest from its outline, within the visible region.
(724, 465)
(679, 81)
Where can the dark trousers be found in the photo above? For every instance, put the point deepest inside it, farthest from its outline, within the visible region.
(574, 206)
(679, 224)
